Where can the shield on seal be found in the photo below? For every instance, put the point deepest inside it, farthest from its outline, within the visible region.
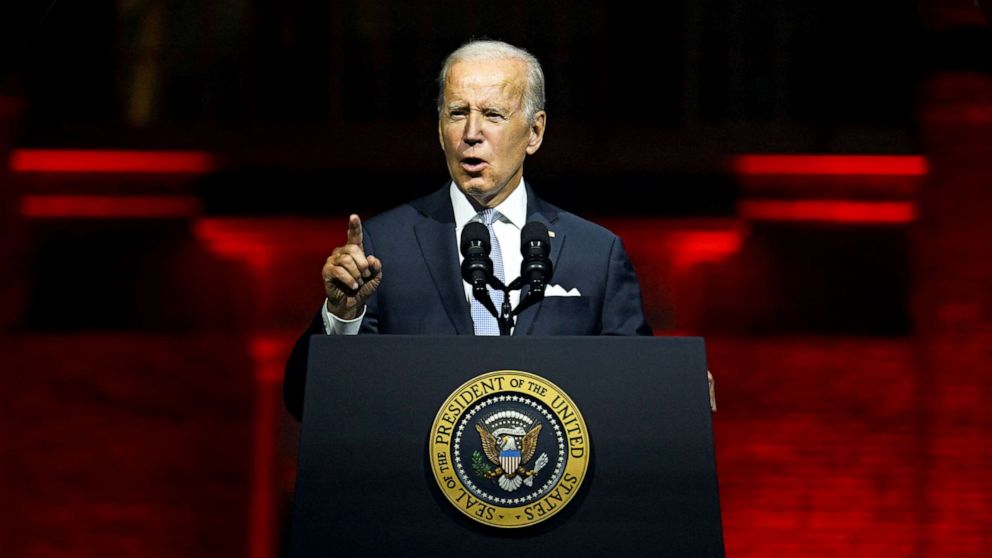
(509, 459)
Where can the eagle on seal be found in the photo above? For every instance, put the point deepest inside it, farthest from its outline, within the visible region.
(509, 459)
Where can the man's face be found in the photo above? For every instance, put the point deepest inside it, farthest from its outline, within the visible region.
(484, 132)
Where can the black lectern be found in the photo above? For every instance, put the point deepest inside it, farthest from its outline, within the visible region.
(365, 483)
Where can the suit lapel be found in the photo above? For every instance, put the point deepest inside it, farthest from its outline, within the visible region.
(436, 238)
(538, 210)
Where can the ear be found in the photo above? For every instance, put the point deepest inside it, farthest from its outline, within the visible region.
(440, 132)
(537, 132)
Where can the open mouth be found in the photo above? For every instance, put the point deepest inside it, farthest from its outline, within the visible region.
(473, 164)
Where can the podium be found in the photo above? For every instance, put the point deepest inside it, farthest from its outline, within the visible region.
(365, 482)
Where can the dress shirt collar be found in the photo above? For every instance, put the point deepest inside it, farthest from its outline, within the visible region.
(513, 209)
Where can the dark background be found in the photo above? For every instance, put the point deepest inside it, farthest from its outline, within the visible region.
(146, 311)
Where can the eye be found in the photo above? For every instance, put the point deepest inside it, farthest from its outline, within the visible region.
(495, 115)
(456, 113)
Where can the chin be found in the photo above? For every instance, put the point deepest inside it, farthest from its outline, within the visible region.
(478, 190)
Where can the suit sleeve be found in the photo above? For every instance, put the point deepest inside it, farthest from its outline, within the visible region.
(295, 379)
(623, 313)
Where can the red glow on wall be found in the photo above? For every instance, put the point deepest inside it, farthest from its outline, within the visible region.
(830, 165)
(104, 207)
(236, 239)
(694, 247)
(684, 242)
(269, 354)
(111, 161)
(829, 211)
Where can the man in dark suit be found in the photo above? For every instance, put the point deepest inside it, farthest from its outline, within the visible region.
(400, 272)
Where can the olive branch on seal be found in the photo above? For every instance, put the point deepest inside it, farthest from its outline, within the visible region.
(479, 466)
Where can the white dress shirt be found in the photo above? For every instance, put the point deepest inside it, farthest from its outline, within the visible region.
(513, 216)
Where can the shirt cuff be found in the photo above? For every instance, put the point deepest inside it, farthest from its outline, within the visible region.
(334, 325)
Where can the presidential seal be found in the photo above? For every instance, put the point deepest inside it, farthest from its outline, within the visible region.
(509, 449)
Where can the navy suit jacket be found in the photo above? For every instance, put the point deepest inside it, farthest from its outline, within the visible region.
(422, 292)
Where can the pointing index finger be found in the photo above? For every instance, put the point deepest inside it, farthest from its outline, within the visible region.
(354, 230)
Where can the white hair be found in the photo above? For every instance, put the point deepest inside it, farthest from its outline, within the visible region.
(533, 100)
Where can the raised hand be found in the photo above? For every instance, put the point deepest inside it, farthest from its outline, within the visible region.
(350, 277)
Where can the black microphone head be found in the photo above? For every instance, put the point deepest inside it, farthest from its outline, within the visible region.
(477, 268)
(534, 231)
(475, 233)
(535, 247)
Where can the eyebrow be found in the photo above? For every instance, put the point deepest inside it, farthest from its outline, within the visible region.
(456, 105)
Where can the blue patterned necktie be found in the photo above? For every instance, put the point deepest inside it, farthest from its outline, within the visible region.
(485, 323)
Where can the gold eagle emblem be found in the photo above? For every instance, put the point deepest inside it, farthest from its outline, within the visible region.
(510, 459)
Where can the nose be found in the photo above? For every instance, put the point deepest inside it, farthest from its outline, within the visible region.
(472, 134)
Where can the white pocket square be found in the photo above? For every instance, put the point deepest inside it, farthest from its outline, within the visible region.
(557, 290)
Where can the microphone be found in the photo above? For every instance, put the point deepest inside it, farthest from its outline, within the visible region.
(536, 268)
(477, 266)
